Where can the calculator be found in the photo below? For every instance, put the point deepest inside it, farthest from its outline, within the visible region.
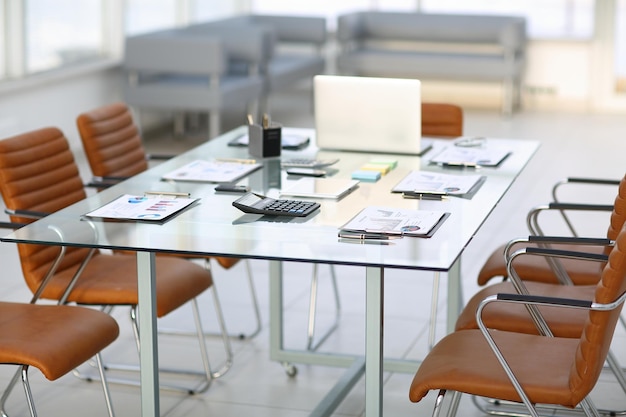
(260, 204)
(307, 162)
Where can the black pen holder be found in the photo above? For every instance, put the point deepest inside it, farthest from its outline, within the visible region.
(264, 142)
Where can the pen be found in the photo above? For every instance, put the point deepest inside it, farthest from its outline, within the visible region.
(427, 192)
(365, 236)
(239, 161)
(458, 165)
(250, 119)
(418, 196)
(170, 193)
(266, 121)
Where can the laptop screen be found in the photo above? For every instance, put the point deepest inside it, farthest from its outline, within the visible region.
(368, 114)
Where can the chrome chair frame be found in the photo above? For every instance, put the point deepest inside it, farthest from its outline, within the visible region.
(207, 376)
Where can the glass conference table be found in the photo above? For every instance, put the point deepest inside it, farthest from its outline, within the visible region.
(215, 227)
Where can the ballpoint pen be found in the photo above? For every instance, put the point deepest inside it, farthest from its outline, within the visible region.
(168, 193)
(458, 165)
(368, 235)
(239, 161)
(425, 196)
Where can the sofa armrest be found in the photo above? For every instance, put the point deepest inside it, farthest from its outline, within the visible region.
(166, 52)
(295, 29)
(252, 44)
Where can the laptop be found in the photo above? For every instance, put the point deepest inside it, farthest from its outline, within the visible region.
(368, 114)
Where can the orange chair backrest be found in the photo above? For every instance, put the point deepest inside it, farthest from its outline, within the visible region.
(599, 327)
(442, 119)
(618, 216)
(38, 173)
(111, 141)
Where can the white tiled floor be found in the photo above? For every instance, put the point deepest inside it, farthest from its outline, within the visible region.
(572, 145)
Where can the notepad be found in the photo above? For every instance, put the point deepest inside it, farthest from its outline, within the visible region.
(212, 171)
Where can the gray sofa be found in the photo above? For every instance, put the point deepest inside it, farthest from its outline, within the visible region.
(435, 46)
(179, 73)
(298, 43)
(230, 63)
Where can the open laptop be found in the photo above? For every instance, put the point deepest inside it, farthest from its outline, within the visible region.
(368, 114)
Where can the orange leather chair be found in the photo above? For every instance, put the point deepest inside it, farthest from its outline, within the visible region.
(565, 270)
(545, 319)
(530, 368)
(442, 120)
(115, 151)
(38, 175)
(517, 319)
(54, 339)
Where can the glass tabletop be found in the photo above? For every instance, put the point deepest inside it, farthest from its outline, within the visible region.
(214, 226)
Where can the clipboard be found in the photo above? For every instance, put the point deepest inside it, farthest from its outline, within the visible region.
(212, 171)
(151, 207)
(464, 186)
(456, 156)
(392, 222)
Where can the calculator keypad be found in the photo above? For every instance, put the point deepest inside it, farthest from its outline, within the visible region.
(293, 207)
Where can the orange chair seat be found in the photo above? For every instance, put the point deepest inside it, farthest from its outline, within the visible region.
(516, 318)
(110, 280)
(536, 268)
(65, 336)
(464, 362)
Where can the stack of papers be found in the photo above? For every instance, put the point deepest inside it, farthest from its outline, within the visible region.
(394, 222)
(152, 208)
(213, 171)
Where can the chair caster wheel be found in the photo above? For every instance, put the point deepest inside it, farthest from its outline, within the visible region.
(290, 369)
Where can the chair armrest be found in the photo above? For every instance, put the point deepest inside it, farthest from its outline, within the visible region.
(552, 256)
(159, 157)
(11, 225)
(570, 254)
(543, 300)
(26, 213)
(571, 240)
(580, 180)
(532, 218)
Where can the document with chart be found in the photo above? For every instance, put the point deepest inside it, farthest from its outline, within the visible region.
(213, 171)
(436, 182)
(151, 208)
(394, 222)
(470, 157)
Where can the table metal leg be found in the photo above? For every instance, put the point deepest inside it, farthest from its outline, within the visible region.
(148, 352)
(455, 295)
(374, 342)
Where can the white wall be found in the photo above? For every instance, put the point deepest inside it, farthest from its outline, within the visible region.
(57, 101)
(558, 77)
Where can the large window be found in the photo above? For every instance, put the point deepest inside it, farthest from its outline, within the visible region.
(546, 18)
(147, 15)
(61, 32)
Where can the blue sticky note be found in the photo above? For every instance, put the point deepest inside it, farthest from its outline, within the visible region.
(365, 175)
